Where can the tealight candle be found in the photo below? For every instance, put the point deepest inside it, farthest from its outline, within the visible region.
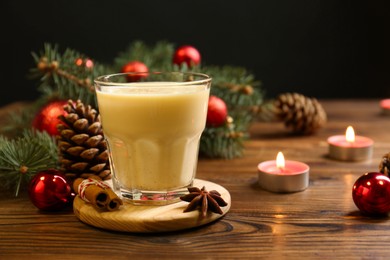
(350, 147)
(385, 105)
(281, 175)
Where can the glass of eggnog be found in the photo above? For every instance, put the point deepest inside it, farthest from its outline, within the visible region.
(153, 123)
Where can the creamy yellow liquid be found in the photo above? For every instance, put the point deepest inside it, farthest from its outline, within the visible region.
(153, 134)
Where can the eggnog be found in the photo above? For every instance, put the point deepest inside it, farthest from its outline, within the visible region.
(153, 131)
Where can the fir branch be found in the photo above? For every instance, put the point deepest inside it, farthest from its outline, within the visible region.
(24, 156)
(222, 142)
(67, 75)
(157, 57)
(241, 93)
(62, 78)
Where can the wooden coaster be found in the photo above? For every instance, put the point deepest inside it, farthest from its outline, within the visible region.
(137, 218)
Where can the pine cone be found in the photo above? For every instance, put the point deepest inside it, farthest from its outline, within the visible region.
(82, 147)
(301, 114)
(384, 165)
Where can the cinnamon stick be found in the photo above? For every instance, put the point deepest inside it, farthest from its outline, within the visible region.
(96, 192)
(114, 202)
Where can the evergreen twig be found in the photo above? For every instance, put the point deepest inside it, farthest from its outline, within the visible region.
(156, 57)
(22, 157)
(60, 77)
(222, 142)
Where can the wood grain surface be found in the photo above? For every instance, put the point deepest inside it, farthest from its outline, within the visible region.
(320, 222)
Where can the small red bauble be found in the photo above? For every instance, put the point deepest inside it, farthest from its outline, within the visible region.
(371, 193)
(216, 112)
(49, 191)
(88, 63)
(135, 66)
(47, 118)
(187, 54)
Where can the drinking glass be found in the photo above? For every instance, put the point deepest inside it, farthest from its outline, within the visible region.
(152, 123)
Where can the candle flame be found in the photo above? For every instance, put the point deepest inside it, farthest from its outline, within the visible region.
(280, 163)
(350, 134)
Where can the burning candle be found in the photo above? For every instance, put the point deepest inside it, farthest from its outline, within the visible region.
(385, 105)
(350, 147)
(281, 175)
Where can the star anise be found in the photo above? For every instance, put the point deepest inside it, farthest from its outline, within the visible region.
(206, 200)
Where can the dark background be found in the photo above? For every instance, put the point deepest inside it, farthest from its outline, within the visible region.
(325, 49)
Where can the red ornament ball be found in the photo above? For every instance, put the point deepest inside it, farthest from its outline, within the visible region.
(188, 54)
(371, 193)
(47, 118)
(217, 112)
(135, 66)
(50, 191)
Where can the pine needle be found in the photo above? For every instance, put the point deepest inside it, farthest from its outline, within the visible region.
(24, 156)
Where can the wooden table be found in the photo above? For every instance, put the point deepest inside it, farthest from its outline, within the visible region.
(320, 222)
